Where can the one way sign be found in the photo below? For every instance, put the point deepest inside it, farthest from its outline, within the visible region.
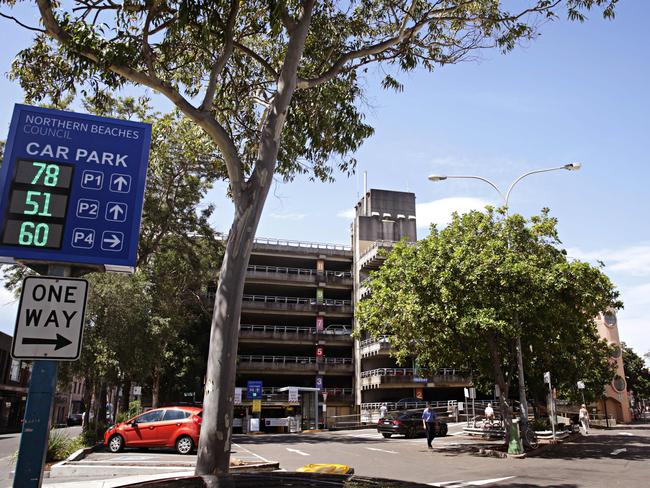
(50, 318)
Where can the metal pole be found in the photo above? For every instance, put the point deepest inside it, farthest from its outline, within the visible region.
(316, 409)
(552, 403)
(38, 415)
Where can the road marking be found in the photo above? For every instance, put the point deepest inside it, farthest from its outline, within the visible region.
(616, 452)
(381, 450)
(252, 453)
(487, 482)
(297, 451)
(462, 484)
(625, 433)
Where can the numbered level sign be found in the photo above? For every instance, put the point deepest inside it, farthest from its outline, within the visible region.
(72, 188)
(50, 318)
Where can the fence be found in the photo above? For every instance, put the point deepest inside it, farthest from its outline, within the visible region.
(295, 300)
(301, 244)
(278, 328)
(292, 359)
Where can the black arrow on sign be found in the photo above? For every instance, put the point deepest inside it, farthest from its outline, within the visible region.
(59, 342)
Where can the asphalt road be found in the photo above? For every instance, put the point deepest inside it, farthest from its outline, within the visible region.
(9, 444)
(618, 457)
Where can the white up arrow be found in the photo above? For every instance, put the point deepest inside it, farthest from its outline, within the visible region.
(116, 210)
(120, 181)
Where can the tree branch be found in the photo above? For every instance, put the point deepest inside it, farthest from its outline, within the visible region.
(277, 113)
(205, 120)
(265, 64)
(220, 64)
(439, 14)
(35, 29)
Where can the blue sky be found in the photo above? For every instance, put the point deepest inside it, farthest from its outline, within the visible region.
(577, 93)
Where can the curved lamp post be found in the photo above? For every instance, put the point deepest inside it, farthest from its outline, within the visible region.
(506, 198)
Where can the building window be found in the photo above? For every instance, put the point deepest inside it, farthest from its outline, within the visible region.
(14, 375)
(616, 353)
(610, 319)
(618, 383)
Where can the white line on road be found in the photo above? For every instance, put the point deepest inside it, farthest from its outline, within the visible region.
(624, 433)
(462, 484)
(616, 452)
(297, 451)
(252, 453)
(381, 450)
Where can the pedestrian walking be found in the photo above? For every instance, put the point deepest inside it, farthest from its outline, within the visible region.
(583, 416)
(383, 410)
(429, 422)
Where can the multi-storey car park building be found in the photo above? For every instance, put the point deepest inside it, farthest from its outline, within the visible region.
(381, 219)
(296, 325)
(298, 315)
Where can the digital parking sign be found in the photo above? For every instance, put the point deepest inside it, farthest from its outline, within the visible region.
(72, 188)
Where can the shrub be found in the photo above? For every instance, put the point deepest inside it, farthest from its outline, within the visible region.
(60, 445)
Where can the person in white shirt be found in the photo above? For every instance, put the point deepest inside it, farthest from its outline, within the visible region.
(489, 412)
(584, 418)
(383, 410)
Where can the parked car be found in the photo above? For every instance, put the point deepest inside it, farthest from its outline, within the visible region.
(338, 329)
(75, 419)
(176, 427)
(407, 423)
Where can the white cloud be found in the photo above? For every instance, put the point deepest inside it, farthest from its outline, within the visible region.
(632, 260)
(288, 216)
(439, 211)
(346, 214)
(8, 310)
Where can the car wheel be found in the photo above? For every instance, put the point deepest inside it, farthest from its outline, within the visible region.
(386, 435)
(116, 443)
(184, 445)
(410, 433)
(443, 430)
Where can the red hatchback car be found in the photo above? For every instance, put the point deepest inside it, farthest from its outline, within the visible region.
(177, 427)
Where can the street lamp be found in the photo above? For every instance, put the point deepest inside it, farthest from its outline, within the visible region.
(506, 198)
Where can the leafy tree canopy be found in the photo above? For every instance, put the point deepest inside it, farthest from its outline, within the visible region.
(460, 296)
(637, 374)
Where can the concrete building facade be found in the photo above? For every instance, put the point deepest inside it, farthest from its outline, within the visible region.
(615, 402)
(295, 330)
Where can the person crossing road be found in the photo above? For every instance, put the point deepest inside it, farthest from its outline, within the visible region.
(429, 422)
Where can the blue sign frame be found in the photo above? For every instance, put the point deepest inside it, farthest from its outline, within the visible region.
(102, 197)
(254, 390)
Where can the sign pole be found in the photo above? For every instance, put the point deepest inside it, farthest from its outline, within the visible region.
(38, 413)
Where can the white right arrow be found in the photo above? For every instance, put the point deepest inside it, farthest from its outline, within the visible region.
(113, 241)
(120, 181)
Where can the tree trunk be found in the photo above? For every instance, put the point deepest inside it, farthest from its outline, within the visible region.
(101, 411)
(522, 385)
(87, 397)
(155, 387)
(214, 444)
(504, 386)
(126, 394)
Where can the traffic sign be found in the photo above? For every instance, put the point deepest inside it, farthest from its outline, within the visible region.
(72, 188)
(50, 318)
(253, 390)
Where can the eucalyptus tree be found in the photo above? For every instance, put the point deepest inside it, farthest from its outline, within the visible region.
(276, 85)
(449, 300)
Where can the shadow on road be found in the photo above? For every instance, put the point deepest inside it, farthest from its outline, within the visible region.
(601, 446)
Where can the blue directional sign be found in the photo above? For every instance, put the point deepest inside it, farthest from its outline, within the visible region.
(254, 390)
(72, 188)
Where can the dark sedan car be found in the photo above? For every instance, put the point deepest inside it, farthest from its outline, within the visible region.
(407, 423)
(75, 419)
